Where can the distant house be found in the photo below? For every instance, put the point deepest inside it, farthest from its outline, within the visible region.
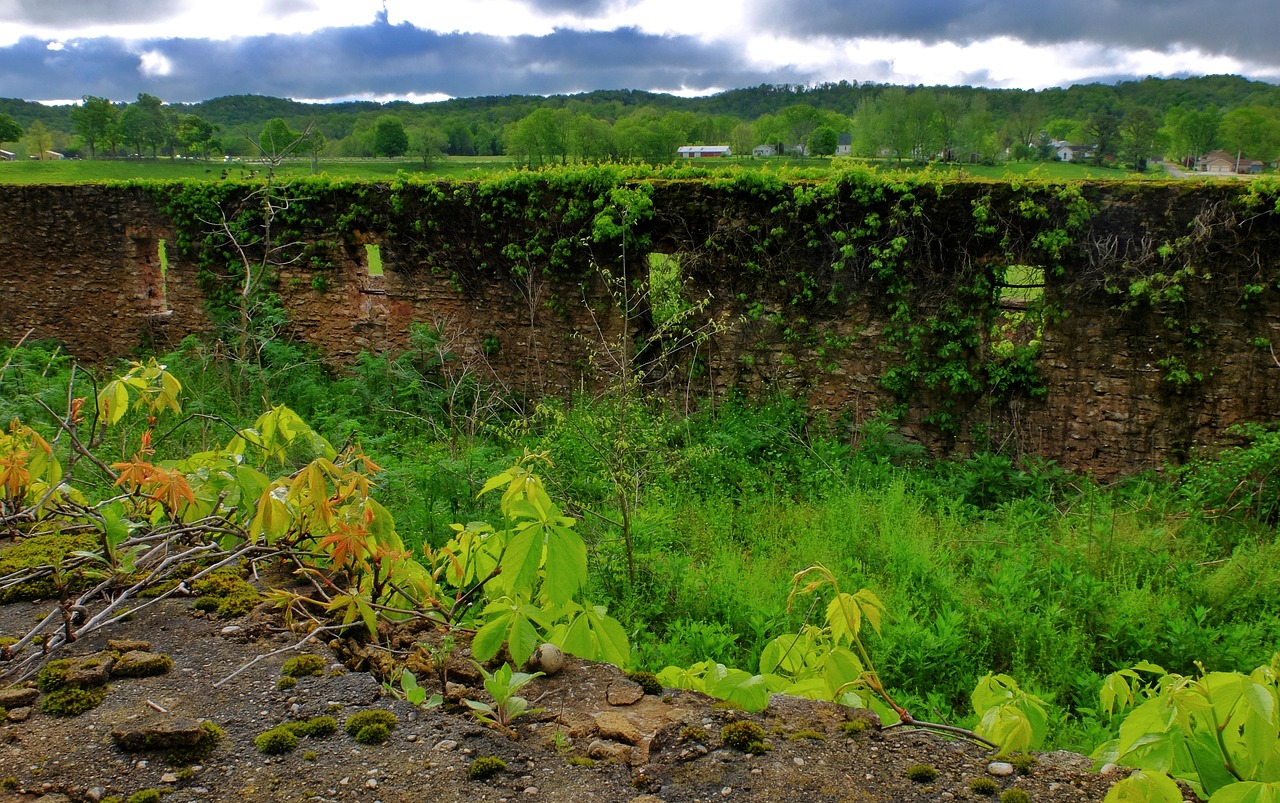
(1066, 152)
(8, 156)
(1225, 162)
(844, 145)
(703, 151)
(764, 150)
(49, 156)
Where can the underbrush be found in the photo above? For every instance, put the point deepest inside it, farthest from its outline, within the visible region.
(697, 524)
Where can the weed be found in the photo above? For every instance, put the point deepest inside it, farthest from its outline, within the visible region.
(286, 682)
(146, 796)
(648, 682)
(1015, 796)
(1023, 763)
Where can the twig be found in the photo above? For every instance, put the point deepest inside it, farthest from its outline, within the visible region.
(257, 658)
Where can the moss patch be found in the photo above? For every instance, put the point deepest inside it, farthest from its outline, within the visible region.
(42, 550)
(225, 594)
(71, 701)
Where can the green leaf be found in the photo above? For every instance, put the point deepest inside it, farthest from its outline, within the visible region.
(747, 690)
(841, 669)
(593, 635)
(1145, 787)
(1248, 792)
(521, 560)
(566, 565)
(488, 639)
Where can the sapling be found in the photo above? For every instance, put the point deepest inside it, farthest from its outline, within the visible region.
(502, 685)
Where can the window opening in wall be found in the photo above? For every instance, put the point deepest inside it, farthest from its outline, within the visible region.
(373, 257)
(162, 255)
(666, 288)
(1022, 284)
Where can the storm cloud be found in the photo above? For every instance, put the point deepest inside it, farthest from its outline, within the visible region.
(375, 60)
(1240, 28)
(71, 13)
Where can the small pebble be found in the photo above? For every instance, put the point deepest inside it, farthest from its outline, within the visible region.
(372, 783)
(799, 762)
(169, 777)
(444, 745)
(1000, 768)
(231, 630)
(725, 792)
(531, 790)
(757, 771)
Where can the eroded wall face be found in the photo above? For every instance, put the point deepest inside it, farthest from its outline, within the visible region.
(1127, 382)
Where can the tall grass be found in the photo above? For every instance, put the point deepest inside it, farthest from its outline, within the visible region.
(985, 564)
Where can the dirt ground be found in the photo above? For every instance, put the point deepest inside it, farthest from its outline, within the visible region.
(598, 738)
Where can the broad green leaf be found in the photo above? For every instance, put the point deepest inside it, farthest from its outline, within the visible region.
(595, 636)
(521, 560)
(488, 639)
(566, 564)
(841, 669)
(1248, 792)
(113, 401)
(1145, 787)
(813, 688)
(747, 690)
(844, 617)
(785, 654)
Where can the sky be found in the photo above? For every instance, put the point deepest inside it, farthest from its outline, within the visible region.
(425, 50)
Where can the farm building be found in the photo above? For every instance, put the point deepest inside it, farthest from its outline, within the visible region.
(703, 151)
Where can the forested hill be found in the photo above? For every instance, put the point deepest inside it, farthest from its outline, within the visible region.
(1216, 92)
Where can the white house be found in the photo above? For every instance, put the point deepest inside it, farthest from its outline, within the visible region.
(764, 150)
(844, 145)
(703, 151)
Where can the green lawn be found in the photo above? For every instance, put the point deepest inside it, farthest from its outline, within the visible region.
(462, 167)
(79, 172)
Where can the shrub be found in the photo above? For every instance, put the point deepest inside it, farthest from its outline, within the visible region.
(145, 796)
(1015, 796)
(485, 767)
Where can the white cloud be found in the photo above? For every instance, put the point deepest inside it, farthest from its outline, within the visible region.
(154, 64)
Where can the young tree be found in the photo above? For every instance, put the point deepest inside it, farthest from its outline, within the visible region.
(39, 140)
(196, 135)
(823, 141)
(94, 120)
(430, 144)
(1104, 129)
(144, 124)
(1249, 131)
(1139, 138)
(389, 137)
(278, 138)
(10, 131)
(1192, 133)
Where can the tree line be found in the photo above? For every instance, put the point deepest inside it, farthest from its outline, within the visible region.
(1124, 124)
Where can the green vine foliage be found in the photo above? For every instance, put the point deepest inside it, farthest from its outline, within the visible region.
(1219, 733)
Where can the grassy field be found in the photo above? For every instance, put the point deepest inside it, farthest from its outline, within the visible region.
(80, 172)
(463, 167)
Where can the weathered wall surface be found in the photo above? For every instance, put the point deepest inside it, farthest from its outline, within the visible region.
(1161, 299)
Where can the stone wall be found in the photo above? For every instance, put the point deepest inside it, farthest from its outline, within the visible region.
(1163, 301)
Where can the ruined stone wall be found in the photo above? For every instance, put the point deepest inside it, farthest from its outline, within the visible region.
(1162, 298)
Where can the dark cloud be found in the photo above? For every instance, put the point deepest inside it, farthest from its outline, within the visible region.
(582, 8)
(74, 13)
(378, 60)
(1241, 28)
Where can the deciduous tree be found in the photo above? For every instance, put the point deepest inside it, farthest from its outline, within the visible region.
(10, 131)
(389, 137)
(39, 140)
(94, 120)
